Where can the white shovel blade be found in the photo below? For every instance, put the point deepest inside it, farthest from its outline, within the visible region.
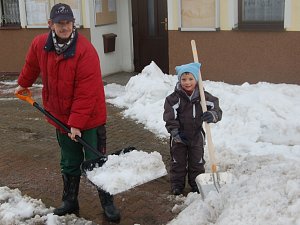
(125, 171)
(205, 181)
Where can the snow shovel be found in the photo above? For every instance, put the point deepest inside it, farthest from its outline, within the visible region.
(90, 166)
(207, 182)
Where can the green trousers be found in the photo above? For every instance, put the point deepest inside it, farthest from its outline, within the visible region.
(73, 153)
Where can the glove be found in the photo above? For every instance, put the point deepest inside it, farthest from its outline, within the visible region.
(210, 117)
(179, 137)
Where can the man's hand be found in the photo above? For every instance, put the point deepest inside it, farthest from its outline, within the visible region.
(19, 88)
(74, 132)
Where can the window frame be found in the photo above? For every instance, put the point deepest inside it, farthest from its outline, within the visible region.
(258, 25)
(33, 25)
(4, 26)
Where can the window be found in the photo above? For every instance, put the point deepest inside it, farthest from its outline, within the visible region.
(38, 12)
(199, 15)
(10, 13)
(151, 18)
(105, 12)
(261, 14)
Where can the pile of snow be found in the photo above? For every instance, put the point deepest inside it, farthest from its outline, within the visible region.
(266, 191)
(20, 210)
(258, 141)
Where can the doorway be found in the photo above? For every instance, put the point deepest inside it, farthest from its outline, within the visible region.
(150, 33)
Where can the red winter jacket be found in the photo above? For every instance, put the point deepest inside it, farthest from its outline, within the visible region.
(73, 91)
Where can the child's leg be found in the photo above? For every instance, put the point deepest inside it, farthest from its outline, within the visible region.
(178, 165)
(195, 164)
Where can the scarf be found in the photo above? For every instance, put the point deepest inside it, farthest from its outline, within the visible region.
(60, 48)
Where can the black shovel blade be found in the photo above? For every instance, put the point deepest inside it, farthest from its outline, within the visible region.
(123, 150)
(89, 165)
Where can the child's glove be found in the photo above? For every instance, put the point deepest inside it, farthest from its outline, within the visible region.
(179, 137)
(210, 117)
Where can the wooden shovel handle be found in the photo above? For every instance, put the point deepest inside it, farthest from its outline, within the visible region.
(210, 145)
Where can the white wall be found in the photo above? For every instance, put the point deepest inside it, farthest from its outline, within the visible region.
(173, 14)
(122, 58)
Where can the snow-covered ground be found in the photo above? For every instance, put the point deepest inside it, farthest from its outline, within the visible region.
(18, 209)
(258, 141)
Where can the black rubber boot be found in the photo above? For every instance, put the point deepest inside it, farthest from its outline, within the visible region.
(107, 203)
(69, 199)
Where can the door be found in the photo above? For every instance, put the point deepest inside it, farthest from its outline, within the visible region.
(150, 33)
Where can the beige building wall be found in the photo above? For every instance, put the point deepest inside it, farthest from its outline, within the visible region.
(236, 56)
(295, 15)
(173, 15)
(229, 14)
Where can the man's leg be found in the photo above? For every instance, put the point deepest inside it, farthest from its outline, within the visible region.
(71, 159)
(106, 199)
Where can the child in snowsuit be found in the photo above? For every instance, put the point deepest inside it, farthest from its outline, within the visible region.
(184, 116)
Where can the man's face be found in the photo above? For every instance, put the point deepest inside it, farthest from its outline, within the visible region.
(63, 28)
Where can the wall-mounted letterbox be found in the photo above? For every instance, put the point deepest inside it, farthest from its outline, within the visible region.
(109, 42)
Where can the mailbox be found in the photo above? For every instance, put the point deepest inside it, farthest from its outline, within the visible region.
(109, 42)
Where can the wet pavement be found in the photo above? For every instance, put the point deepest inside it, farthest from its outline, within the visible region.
(29, 161)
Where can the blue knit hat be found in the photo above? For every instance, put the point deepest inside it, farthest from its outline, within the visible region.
(192, 68)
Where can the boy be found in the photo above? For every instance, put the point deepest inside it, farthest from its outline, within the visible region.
(184, 116)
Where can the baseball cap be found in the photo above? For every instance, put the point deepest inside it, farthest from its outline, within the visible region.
(61, 12)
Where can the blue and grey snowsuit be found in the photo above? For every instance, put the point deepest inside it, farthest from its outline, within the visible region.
(184, 113)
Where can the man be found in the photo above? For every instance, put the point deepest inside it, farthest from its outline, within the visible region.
(73, 92)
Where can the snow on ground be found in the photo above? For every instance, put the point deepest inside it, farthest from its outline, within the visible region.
(258, 141)
(18, 209)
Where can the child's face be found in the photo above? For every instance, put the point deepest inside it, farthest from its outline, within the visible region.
(188, 82)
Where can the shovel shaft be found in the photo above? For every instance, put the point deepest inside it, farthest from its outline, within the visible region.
(210, 145)
(25, 95)
(49, 115)
(211, 148)
(67, 129)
